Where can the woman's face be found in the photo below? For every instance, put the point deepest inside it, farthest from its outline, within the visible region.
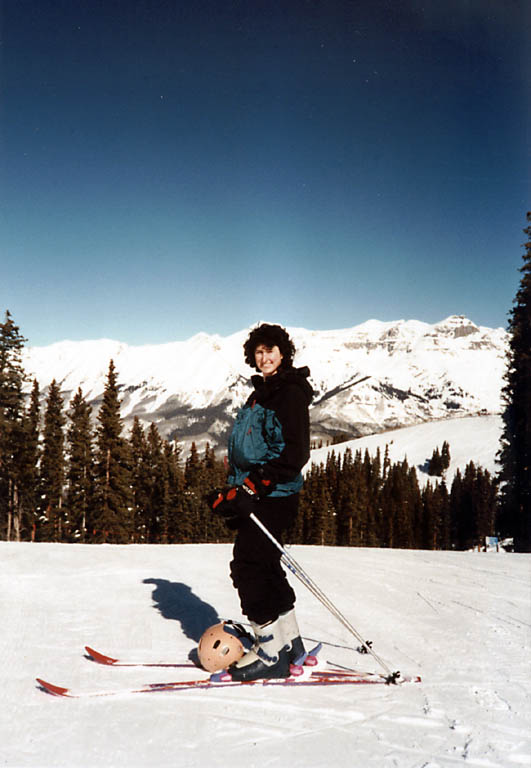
(267, 359)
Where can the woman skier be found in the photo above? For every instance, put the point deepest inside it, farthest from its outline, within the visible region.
(268, 447)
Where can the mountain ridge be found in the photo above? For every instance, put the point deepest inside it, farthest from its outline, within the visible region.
(369, 378)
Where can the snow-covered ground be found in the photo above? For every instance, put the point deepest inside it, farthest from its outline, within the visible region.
(471, 438)
(460, 620)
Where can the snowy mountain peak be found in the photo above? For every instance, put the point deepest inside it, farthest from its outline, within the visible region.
(457, 326)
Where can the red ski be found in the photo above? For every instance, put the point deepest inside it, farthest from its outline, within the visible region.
(314, 678)
(109, 661)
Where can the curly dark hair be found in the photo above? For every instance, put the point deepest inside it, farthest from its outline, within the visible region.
(270, 336)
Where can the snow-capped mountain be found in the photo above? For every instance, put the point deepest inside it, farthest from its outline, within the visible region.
(369, 378)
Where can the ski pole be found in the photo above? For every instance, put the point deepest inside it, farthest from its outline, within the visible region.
(300, 573)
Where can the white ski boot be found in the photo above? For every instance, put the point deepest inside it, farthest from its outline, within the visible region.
(292, 637)
(268, 659)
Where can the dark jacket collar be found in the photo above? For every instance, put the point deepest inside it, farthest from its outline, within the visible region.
(284, 376)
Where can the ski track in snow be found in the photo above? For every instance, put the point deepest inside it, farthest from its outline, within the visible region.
(462, 620)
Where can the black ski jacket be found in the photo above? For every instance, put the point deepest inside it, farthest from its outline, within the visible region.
(273, 430)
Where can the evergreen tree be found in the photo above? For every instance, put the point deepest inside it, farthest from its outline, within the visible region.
(414, 511)
(486, 504)
(322, 524)
(417, 512)
(456, 503)
(464, 503)
(376, 527)
(140, 481)
(386, 462)
(473, 504)
(515, 453)
(193, 470)
(332, 474)
(398, 499)
(440, 461)
(158, 487)
(445, 456)
(317, 524)
(29, 480)
(176, 518)
(436, 530)
(215, 476)
(201, 474)
(467, 531)
(346, 507)
(80, 474)
(429, 518)
(215, 469)
(435, 464)
(364, 535)
(113, 517)
(194, 488)
(444, 517)
(53, 468)
(295, 535)
(12, 378)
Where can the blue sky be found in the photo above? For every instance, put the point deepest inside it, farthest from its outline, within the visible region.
(175, 167)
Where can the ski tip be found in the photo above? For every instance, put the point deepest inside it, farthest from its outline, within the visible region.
(397, 679)
(100, 658)
(408, 679)
(55, 690)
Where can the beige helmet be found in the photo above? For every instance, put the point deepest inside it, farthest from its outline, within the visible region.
(219, 647)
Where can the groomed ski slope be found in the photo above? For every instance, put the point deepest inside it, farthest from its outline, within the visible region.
(460, 620)
(469, 436)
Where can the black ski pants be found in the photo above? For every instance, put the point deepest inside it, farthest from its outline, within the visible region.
(255, 570)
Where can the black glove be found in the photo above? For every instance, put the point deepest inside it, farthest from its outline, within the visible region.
(220, 501)
(233, 504)
(257, 483)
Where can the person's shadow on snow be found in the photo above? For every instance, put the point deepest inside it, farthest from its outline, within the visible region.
(177, 602)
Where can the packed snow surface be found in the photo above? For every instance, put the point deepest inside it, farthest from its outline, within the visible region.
(461, 620)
